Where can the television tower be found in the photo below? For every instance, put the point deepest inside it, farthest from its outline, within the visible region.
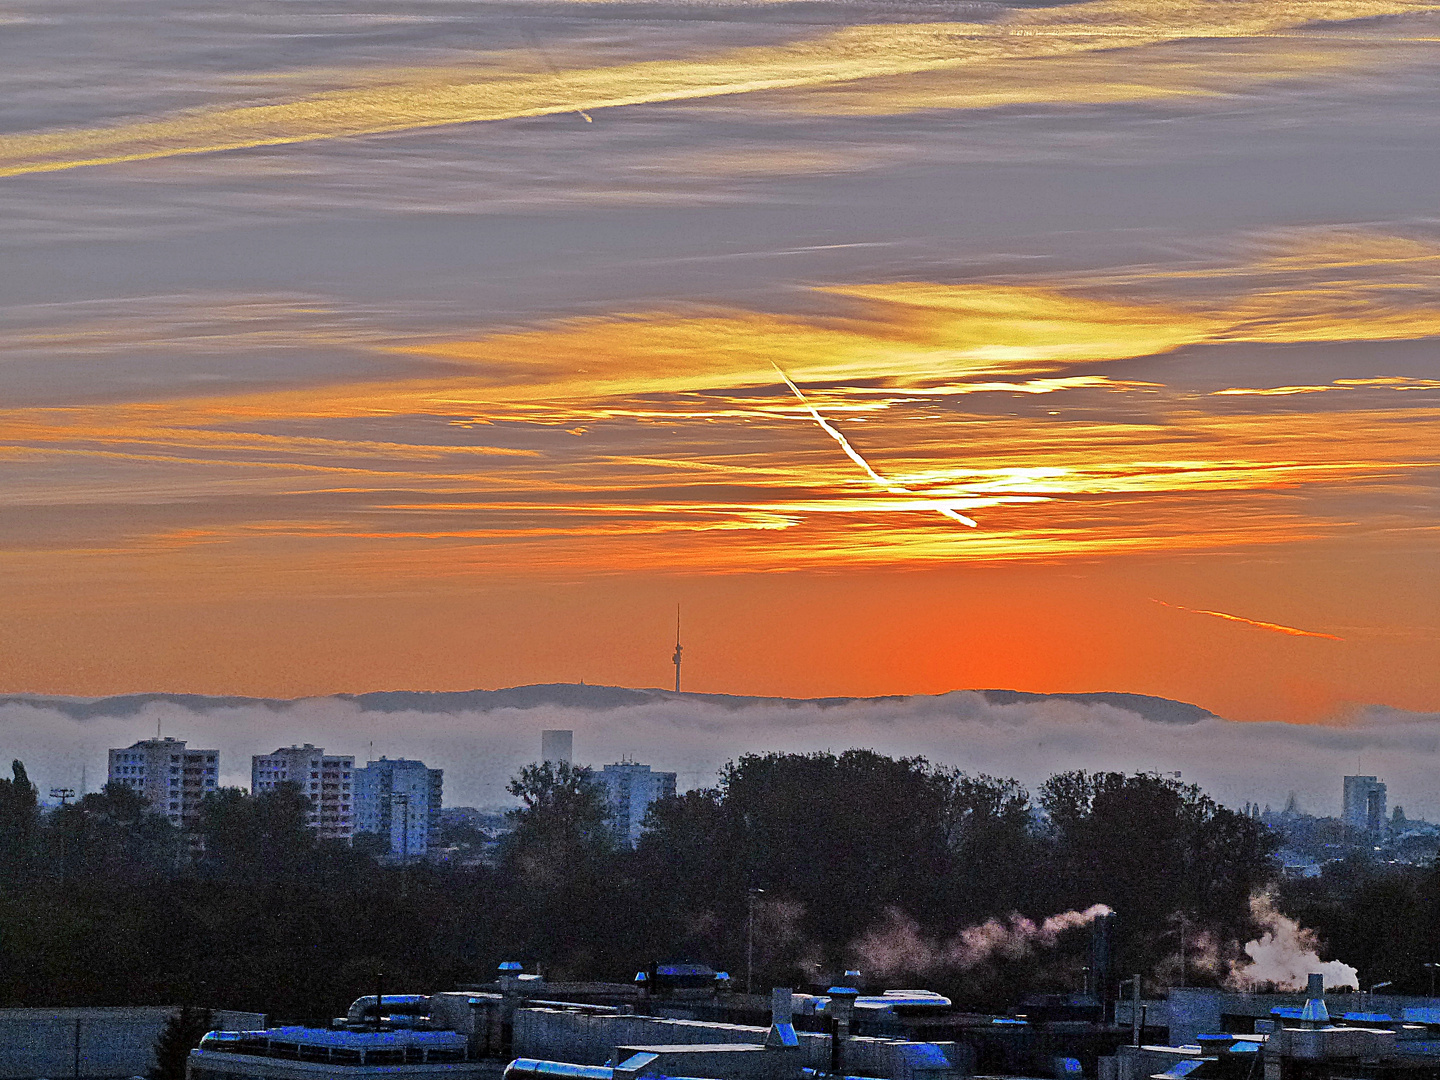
(676, 658)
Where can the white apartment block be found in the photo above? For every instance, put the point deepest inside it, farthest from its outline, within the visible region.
(172, 778)
(399, 800)
(325, 779)
(632, 789)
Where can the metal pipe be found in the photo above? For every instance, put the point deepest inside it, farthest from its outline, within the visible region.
(534, 1069)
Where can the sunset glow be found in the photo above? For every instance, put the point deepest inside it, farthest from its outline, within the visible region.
(453, 349)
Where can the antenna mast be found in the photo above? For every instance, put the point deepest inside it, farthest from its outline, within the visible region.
(678, 649)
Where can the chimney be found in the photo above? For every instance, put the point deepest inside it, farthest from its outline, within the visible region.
(1314, 1014)
(782, 1015)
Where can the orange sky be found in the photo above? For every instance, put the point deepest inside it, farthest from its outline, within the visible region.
(557, 490)
(266, 471)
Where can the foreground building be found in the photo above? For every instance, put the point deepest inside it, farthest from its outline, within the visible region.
(399, 800)
(296, 1053)
(172, 778)
(326, 780)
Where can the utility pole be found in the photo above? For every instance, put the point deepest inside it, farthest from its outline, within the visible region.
(64, 794)
(1182, 949)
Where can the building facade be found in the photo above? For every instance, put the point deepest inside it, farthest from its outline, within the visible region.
(632, 789)
(399, 800)
(173, 778)
(326, 780)
(1364, 805)
(557, 746)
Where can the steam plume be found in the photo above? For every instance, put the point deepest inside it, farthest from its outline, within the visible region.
(1285, 954)
(854, 455)
(897, 947)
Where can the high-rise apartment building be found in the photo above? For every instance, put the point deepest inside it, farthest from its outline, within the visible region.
(172, 778)
(632, 789)
(325, 779)
(557, 746)
(399, 800)
(1364, 805)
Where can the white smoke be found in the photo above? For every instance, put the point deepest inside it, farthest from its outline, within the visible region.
(1285, 954)
(1028, 740)
(897, 946)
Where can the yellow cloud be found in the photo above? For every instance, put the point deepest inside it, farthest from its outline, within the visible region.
(429, 98)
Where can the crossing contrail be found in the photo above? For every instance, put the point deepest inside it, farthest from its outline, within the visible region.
(1276, 628)
(854, 455)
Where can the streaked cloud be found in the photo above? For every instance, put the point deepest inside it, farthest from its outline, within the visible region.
(508, 87)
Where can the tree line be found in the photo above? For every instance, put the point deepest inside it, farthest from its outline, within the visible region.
(812, 856)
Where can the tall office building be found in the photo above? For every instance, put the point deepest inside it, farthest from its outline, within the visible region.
(1364, 805)
(399, 800)
(326, 780)
(557, 746)
(171, 777)
(632, 789)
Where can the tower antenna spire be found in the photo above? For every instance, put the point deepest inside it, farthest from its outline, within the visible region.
(678, 649)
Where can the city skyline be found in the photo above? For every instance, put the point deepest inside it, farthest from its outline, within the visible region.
(482, 746)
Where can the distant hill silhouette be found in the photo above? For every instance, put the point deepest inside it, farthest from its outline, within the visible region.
(573, 696)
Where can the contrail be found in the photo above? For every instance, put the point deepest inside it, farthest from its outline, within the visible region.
(854, 455)
(1277, 628)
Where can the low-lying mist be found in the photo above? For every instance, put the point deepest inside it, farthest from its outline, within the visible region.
(480, 749)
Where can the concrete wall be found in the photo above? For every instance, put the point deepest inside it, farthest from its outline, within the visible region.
(112, 1042)
(1143, 1062)
(723, 1061)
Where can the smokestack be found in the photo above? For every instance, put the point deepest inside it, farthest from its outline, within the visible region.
(1135, 1010)
(1102, 948)
(841, 1009)
(1315, 1013)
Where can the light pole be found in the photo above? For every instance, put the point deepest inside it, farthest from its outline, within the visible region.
(1432, 968)
(750, 896)
(1377, 986)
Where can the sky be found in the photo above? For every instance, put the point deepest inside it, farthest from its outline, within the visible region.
(442, 345)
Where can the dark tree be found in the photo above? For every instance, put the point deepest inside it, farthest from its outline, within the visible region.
(19, 826)
(182, 1033)
(1149, 847)
(115, 833)
(562, 866)
(264, 835)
